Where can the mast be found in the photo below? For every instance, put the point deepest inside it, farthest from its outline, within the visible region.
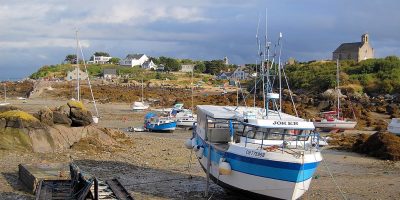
(142, 89)
(279, 72)
(5, 93)
(77, 68)
(258, 55)
(337, 89)
(191, 83)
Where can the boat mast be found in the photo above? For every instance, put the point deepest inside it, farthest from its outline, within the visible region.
(87, 73)
(142, 89)
(77, 68)
(5, 93)
(191, 83)
(279, 71)
(258, 55)
(263, 60)
(337, 89)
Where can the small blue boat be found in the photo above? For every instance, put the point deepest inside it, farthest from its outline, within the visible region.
(152, 122)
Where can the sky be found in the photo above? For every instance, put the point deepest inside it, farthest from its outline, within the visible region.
(42, 32)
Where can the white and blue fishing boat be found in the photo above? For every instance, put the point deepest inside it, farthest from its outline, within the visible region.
(260, 151)
(153, 122)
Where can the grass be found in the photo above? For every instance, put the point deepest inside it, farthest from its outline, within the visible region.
(76, 104)
(18, 114)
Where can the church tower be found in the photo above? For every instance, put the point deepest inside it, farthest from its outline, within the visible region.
(364, 38)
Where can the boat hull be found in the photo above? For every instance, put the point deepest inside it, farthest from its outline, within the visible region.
(260, 177)
(170, 126)
(342, 125)
(184, 123)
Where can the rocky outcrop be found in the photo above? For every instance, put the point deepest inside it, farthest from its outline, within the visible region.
(60, 118)
(45, 115)
(79, 115)
(8, 108)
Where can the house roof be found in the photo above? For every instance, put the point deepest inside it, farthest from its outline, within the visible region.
(226, 73)
(110, 71)
(354, 46)
(136, 56)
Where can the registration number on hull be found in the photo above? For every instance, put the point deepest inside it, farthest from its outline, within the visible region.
(255, 153)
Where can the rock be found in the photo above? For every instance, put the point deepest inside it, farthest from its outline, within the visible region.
(61, 118)
(8, 108)
(20, 119)
(80, 117)
(3, 123)
(46, 116)
(64, 109)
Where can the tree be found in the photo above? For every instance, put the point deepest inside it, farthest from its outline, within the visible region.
(71, 58)
(170, 64)
(200, 67)
(99, 53)
(114, 61)
(214, 66)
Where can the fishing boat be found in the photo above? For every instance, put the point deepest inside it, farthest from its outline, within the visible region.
(153, 122)
(140, 105)
(394, 126)
(5, 96)
(263, 151)
(332, 120)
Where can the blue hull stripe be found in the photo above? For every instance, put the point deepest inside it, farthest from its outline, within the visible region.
(162, 126)
(291, 172)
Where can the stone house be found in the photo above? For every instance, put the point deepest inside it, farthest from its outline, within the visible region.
(356, 51)
(187, 68)
(73, 75)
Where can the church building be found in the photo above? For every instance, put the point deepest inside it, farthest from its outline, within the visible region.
(356, 51)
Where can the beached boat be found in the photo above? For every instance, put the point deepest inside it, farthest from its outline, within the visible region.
(259, 151)
(5, 96)
(140, 105)
(332, 120)
(394, 126)
(153, 122)
(183, 117)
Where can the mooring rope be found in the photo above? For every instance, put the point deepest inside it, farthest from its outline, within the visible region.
(333, 178)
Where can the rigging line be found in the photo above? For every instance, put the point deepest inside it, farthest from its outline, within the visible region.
(290, 92)
(90, 85)
(333, 178)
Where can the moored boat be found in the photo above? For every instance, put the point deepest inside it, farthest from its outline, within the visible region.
(332, 120)
(153, 122)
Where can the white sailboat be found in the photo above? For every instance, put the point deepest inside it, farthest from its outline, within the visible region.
(5, 96)
(140, 105)
(332, 120)
(258, 151)
(79, 49)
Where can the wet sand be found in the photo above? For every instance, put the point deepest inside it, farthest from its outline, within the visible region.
(158, 166)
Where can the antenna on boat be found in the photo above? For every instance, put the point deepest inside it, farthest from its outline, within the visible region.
(258, 55)
(280, 71)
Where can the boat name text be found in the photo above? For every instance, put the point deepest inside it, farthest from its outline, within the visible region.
(285, 123)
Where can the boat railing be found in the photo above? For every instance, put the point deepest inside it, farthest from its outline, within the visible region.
(305, 142)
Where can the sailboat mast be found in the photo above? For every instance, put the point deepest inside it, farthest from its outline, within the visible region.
(191, 83)
(337, 89)
(142, 90)
(263, 61)
(5, 93)
(77, 68)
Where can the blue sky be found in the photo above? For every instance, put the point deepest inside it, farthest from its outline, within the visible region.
(36, 33)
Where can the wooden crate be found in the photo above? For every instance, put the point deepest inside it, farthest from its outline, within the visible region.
(31, 174)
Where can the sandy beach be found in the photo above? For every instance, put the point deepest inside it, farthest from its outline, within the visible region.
(158, 166)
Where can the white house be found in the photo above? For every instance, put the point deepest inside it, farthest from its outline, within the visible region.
(101, 59)
(73, 75)
(134, 60)
(187, 68)
(240, 73)
(149, 65)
